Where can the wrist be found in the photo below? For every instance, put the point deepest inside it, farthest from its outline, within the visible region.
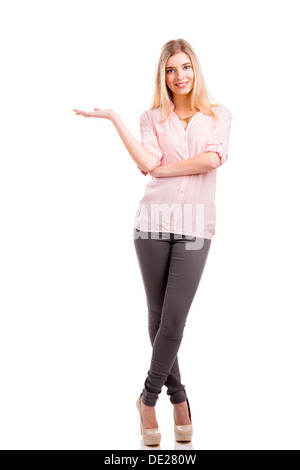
(112, 115)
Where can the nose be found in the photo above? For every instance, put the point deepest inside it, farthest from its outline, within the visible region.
(180, 75)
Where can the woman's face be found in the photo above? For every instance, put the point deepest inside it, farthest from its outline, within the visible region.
(180, 73)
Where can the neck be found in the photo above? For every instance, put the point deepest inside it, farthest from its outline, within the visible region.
(182, 103)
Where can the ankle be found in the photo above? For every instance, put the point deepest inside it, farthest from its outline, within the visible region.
(148, 416)
(181, 414)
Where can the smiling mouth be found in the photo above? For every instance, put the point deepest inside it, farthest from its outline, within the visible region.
(181, 85)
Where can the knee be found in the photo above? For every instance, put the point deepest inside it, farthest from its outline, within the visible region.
(154, 317)
(173, 328)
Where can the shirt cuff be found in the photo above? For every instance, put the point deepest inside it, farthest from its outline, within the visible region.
(219, 149)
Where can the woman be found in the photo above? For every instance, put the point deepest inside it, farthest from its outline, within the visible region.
(184, 139)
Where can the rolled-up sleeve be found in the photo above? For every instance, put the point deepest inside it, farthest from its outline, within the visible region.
(149, 138)
(219, 139)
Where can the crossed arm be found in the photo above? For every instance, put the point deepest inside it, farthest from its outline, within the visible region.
(201, 163)
(144, 159)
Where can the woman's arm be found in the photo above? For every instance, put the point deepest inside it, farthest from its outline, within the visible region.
(145, 160)
(201, 163)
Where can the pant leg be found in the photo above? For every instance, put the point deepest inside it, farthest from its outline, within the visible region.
(185, 271)
(154, 258)
(175, 389)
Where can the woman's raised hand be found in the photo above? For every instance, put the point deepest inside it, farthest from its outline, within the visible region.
(125, 135)
(97, 113)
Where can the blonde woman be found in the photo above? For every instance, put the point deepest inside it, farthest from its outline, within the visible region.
(184, 140)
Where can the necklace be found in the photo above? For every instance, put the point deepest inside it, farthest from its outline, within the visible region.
(187, 119)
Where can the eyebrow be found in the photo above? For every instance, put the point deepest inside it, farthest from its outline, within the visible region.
(187, 63)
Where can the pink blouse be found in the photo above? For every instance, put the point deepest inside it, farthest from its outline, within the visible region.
(182, 204)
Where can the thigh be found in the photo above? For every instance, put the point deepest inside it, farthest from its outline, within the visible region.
(153, 256)
(185, 271)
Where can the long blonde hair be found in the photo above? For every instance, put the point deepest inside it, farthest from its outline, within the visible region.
(163, 95)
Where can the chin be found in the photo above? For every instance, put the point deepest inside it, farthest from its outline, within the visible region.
(182, 92)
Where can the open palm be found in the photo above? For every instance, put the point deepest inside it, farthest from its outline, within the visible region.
(97, 113)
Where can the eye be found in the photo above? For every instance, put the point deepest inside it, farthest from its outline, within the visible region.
(188, 66)
(169, 70)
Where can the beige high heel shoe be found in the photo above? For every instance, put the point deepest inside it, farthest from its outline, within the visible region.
(152, 436)
(185, 432)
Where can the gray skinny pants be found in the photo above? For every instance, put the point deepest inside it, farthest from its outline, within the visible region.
(171, 274)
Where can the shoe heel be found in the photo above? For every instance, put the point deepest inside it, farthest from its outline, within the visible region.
(151, 437)
(184, 433)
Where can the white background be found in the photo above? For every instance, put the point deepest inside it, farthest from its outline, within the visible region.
(74, 343)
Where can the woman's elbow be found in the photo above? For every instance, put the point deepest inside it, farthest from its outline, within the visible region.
(215, 161)
(154, 163)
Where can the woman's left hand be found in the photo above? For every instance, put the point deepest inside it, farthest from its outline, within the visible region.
(143, 172)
